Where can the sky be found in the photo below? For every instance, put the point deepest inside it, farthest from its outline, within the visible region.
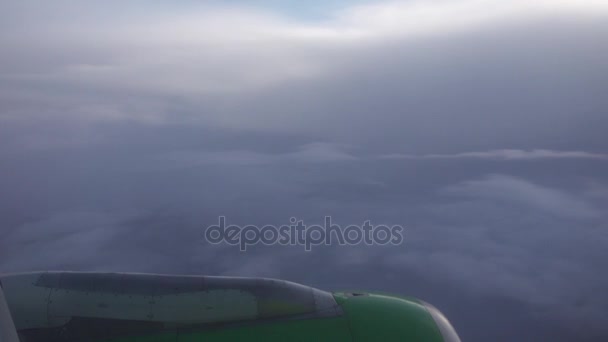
(128, 127)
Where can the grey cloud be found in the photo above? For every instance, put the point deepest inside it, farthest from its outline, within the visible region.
(65, 240)
(517, 248)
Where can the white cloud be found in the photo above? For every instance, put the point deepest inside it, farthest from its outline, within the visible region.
(396, 66)
(214, 49)
(518, 191)
(506, 154)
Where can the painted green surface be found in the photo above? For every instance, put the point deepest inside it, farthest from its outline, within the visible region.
(320, 329)
(366, 318)
(374, 317)
(274, 308)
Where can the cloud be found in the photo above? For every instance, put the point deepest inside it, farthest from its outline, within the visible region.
(376, 75)
(511, 237)
(515, 190)
(68, 240)
(212, 50)
(309, 153)
(506, 154)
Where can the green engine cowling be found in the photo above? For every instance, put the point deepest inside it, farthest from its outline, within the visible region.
(379, 317)
(123, 307)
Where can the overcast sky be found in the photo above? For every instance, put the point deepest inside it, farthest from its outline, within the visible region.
(481, 126)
